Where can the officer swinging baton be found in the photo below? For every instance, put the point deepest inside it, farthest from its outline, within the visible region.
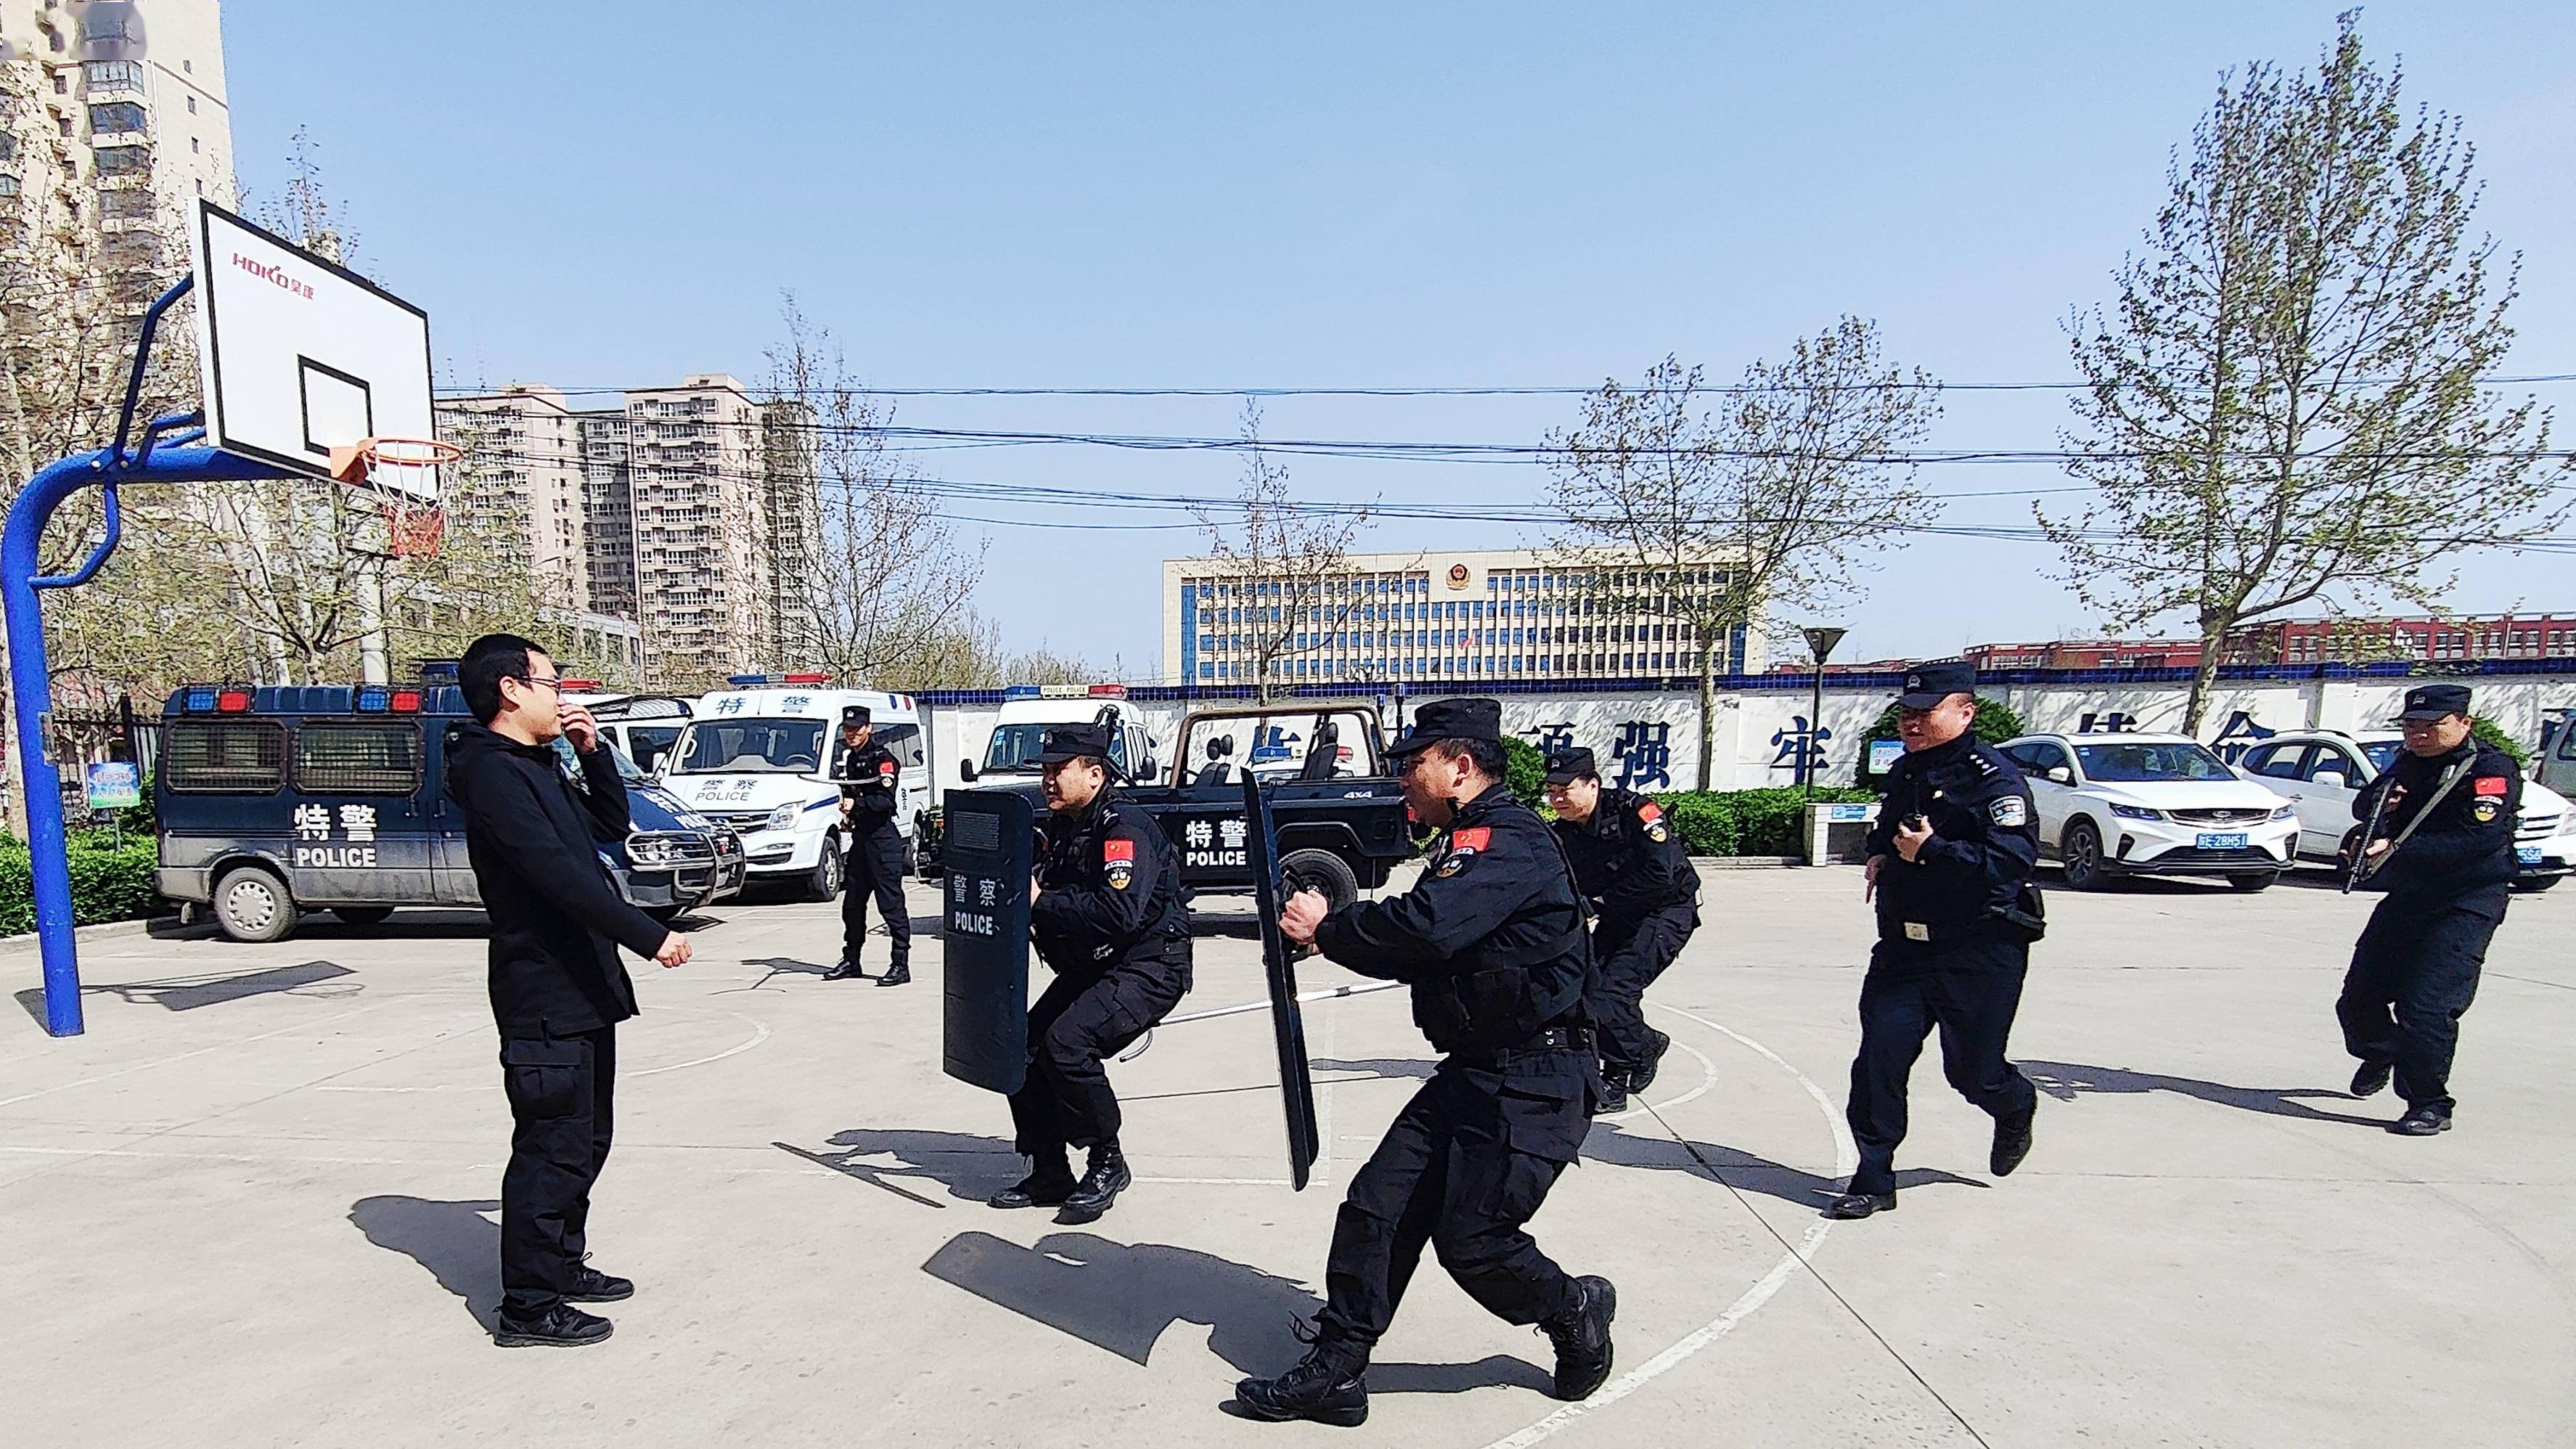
(2363, 867)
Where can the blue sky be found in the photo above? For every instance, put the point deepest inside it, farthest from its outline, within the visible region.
(605, 195)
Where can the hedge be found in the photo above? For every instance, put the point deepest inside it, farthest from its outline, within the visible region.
(1996, 723)
(108, 884)
(1748, 822)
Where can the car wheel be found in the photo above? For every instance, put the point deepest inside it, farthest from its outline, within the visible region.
(2081, 853)
(1323, 872)
(2260, 881)
(2537, 883)
(364, 915)
(825, 882)
(252, 904)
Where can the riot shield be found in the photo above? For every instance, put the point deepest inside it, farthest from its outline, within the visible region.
(988, 851)
(1287, 1020)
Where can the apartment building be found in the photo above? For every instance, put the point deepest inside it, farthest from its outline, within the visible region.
(791, 501)
(695, 456)
(523, 468)
(1449, 618)
(608, 501)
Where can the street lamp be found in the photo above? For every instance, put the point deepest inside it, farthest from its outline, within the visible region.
(1821, 640)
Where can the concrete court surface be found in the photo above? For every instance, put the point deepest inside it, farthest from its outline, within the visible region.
(255, 1205)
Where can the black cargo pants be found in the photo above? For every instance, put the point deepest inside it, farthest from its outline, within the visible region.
(1465, 1165)
(876, 872)
(1627, 957)
(560, 1089)
(1970, 990)
(1075, 1025)
(2414, 972)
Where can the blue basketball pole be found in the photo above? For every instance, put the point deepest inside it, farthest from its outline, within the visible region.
(30, 674)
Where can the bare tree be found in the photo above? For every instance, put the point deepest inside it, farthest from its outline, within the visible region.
(1287, 566)
(888, 583)
(2284, 404)
(1707, 507)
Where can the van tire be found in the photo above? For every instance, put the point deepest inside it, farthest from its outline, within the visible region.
(363, 915)
(825, 882)
(253, 905)
(1323, 871)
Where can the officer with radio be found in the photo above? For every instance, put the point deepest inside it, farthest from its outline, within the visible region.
(1108, 915)
(1491, 940)
(868, 773)
(2437, 835)
(1629, 863)
(1950, 862)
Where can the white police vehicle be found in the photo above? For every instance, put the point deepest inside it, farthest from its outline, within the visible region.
(757, 758)
(2144, 804)
(644, 726)
(2322, 771)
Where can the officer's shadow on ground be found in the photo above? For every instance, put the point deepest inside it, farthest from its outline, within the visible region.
(2067, 1080)
(455, 1241)
(187, 993)
(1122, 1297)
(1612, 1143)
(968, 1166)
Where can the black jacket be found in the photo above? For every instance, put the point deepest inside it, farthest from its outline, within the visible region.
(2467, 844)
(1490, 938)
(1111, 892)
(867, 778)
(1984, 845)
(1628, 860)
(557, 918)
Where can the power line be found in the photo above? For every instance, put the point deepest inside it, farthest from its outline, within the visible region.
(1731, 389)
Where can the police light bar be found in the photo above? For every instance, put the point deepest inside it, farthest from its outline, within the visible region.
(232, 701)
(580, 684)
(1065, 691)
(200, 701)
(373, 699)
(406, 701)
(753, 681)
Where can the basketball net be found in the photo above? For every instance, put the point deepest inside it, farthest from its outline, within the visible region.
(400, 470)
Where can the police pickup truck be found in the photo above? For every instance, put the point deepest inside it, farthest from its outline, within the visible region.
(280, 799)
(1341, 818)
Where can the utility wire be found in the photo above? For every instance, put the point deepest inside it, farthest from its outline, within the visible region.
(486, 390)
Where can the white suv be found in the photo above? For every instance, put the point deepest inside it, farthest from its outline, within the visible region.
(2322, 770)
(2139, 804)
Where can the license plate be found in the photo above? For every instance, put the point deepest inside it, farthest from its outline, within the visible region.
(2527, 854)
(2226, 840)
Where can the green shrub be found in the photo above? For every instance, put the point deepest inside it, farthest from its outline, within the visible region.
(108, 883)
(1525, 771)
(1996, 723)
(1747, 822)
(2487, 731)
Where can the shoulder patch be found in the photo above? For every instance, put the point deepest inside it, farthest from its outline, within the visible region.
(1114, 850)
(1475, 837)
(2491, 784)
(885, 767)
(2009, 811)
(1650, 812)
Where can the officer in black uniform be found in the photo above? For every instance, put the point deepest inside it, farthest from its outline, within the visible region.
(1491, 940)
(868, 773)
(2443, 850)
(1108, 915)
(1629, 864)
(1950, 862)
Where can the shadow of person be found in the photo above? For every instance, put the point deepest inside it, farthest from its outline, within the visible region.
(2067, 1080)
(459, 1246)
(1743, 1171)
(970, 1166)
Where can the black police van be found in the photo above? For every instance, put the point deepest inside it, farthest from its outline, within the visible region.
(280, 799)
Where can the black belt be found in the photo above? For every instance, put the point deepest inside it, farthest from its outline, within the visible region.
(1552, 1039)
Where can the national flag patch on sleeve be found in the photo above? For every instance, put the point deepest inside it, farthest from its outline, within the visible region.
(1113, 852)
(2491, 785)
(885, 767)
(1650, 812)
(1473, 838)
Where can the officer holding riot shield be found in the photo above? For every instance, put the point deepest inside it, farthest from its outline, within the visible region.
(1950, 862)
(1629, 864)
(1108, 915)
(2439, 826)
(868, 773)
(1491, 940)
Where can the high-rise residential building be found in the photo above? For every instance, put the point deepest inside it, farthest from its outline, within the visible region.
(1434, 618)
(108, 130)
(695, 459)
(792, 502)
(608, 497)
(523, 471)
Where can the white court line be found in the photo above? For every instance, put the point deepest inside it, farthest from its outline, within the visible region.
(183, 1056)
(759, 1034)
(1707, 1084)
(1846, 1161)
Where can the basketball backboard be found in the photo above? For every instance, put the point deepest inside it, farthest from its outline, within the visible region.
(301, 356)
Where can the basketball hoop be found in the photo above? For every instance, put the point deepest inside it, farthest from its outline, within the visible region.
(404, 472)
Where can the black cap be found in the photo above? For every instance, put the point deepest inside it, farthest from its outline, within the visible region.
(1928, 684)
(1568, 766)
(853, 716)
(1073, 742)
(1451, 719)
(2432, 701)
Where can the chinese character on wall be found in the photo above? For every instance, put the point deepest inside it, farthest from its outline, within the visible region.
(1645, 754)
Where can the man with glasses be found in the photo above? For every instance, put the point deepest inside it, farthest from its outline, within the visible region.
(2445, 813)
(1950, 862)
(558, 989)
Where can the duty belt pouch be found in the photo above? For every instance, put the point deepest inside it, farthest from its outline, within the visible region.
(2027, 916)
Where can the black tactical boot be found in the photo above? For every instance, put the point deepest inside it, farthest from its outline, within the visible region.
(562, 1326)
(1582, 1338)
(1642, 1075)
(899, 974)
(1099, 1187)
(1614, 1099)
(1050, 1182)
(2371, 1079)
(2422, 1122)
(1329, 1385)
(589, 1285)
(2012, 1142)
(1853, 1205)
(848, 970)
